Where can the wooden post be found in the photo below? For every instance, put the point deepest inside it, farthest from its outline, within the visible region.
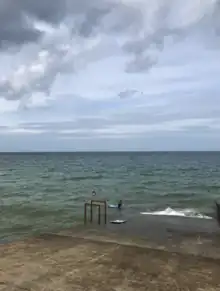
(105, 212)
(91, 212)
(99, 214)
(95, 203)
(85, 213)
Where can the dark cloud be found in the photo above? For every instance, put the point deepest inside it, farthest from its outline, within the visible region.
(16, 27)
(90, 21)
(17, 16)
(142, 34)
(51, 11)
(13, 36)
(86, 16)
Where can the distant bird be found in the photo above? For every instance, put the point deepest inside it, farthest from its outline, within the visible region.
(93, 193)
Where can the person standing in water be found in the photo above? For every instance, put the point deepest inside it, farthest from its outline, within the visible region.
(119, 204)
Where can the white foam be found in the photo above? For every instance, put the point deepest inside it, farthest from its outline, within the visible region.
(112, 206)
(183, 212)
(118, 221)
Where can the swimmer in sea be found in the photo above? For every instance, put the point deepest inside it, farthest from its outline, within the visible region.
(119, 204)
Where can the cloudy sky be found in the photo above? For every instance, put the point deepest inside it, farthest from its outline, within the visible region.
(109, 75)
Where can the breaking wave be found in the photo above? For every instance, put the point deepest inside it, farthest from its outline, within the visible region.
(180, 212)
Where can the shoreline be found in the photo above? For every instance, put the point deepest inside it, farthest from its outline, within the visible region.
(13, 231)
(184, 235)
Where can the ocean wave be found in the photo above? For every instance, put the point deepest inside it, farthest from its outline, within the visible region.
(112, 205)
(3, 174)
(81, 178)
(45, 176)
(180, 212)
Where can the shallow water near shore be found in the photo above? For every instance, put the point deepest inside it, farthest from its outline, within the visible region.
(46, 191)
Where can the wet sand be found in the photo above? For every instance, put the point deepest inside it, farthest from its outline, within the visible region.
(185, 235)
(113, 258)
(65, 263)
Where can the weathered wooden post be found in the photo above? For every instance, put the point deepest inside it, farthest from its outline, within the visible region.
(95, 203)
(85, 213)
(91, 212)
(99, 214)
(105, 212)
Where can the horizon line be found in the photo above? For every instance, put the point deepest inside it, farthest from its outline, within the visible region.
(107, 151)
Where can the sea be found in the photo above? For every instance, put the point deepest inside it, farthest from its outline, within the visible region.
(45, 192)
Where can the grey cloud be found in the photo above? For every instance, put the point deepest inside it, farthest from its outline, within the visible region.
(52, 11)
(15, 29)
(140, 64)
(128, 93)
(12, 36)
(204, 129)
(148, 116)
(16, 16)
(86, 19)
(55, 60)
(156, 40)
(110, 16)
(91, 20)
(39, 75)
(156, 116)
(80, 123)
(121, 18)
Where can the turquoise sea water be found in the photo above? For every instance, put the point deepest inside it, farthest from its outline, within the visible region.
(46, 191)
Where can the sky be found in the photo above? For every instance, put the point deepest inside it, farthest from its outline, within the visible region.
(109, 75)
